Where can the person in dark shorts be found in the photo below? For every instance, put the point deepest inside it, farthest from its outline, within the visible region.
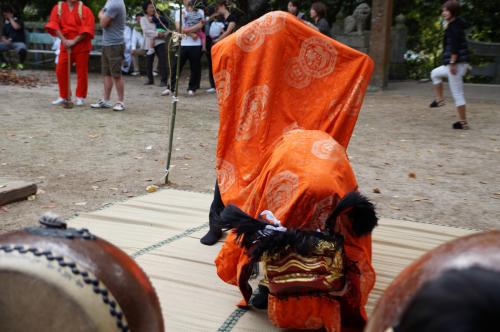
(12, 37)
(112, 19)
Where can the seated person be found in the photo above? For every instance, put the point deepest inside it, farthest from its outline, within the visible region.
(13, 37)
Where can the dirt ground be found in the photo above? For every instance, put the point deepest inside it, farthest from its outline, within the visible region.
(85, 159)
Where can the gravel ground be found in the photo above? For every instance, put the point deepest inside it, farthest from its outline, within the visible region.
(407, 158)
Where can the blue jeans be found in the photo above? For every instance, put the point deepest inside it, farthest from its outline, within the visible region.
(18, 46)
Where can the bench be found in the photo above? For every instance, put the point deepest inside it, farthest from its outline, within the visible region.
(490, 50)
(39, 44)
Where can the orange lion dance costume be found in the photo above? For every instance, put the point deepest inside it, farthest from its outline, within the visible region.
(289, 99)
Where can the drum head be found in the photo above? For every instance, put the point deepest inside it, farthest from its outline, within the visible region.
(49, 293)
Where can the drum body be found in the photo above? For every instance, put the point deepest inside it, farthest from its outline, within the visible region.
(482, 249)
(58, 279)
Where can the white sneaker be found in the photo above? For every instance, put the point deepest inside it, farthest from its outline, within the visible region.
(190, 93)
(150, 51)
(119, 106)
(79, 101)
(166, 92)
(155, 73)
(135, 73)
(102, 104)
(211, 90)
(58, 101)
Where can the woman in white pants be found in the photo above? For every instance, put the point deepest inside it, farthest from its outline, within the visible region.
(455, 58)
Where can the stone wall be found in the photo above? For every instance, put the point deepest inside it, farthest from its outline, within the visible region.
(361, 42)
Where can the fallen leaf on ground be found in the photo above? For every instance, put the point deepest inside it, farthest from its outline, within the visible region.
(412, 175)
(93, 136)
(113, 188)
(10, 77)
(81, 203)
(40, 191)
(376, 191)
(102, 180)
(31, 198)
(138, 157)
(95, 187)
(152, 188)
(498, 194)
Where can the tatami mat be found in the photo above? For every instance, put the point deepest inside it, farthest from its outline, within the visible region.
(162, 230)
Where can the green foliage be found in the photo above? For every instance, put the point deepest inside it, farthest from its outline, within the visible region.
(39, 10)
(425, 33)
(485, 19)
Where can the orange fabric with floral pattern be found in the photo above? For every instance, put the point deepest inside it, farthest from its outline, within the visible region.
(289, 98)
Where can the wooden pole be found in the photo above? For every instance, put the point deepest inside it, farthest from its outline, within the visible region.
(380, 46)
(175, 100)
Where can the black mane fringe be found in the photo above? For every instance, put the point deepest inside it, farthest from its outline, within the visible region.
(245, 227)
(253, 235)
(301, 242)
(359, 210)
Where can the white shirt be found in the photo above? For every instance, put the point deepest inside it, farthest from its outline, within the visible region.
(188, 41)
(150, 33)
(127, 37)
(137, 40)
(216, 29)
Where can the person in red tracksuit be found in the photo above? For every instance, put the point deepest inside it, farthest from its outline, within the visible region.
(74, 24)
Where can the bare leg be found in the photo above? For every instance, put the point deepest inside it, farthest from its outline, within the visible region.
(461, 113)
(120, 87)
(438, 88)
(108, 85)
